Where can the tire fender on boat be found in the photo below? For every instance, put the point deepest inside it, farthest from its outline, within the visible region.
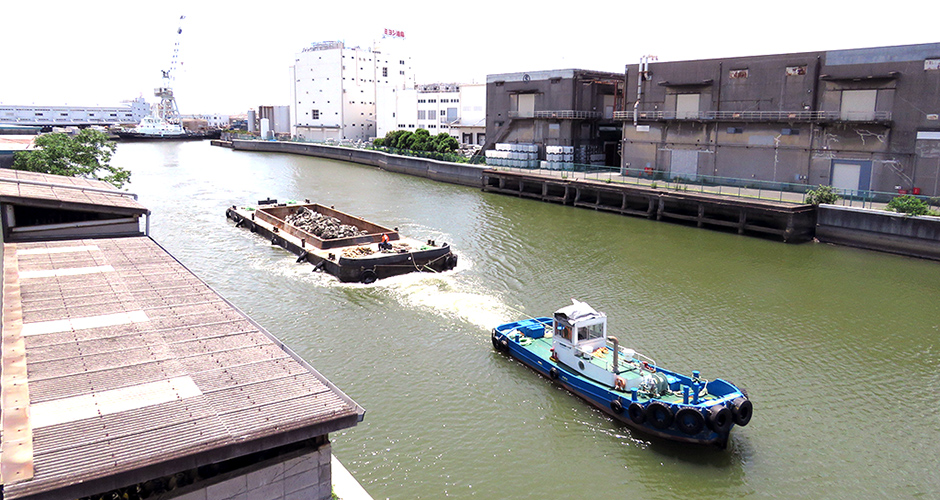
(636, 413)
(659, 415)
(616, 406)
(368, 276)
(495, 340)
(553, 373)
(719, 419)
(741, 411)
(690, 421)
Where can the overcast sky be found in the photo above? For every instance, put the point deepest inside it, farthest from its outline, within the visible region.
(235, 55)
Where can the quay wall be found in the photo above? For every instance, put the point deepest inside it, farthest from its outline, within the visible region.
(862, 228)
(454, 173)
(879, 230)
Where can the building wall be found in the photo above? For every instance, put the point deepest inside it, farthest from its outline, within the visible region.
(849, 118)
(570, 107)
(57, 116)
(301, 478)
(334, 90)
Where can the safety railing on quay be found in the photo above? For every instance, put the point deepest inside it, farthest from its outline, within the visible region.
(712, 184)
(757, 116)
(709, 184)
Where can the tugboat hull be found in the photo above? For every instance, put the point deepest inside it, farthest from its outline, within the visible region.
(707, 420)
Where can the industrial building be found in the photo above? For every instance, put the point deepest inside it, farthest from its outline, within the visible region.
(130, 112)
(570, 108)
(341, 93)
(453, 108)
(334, 90)
(862, 120)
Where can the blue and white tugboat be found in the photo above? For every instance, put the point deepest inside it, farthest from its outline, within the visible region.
(573, 349)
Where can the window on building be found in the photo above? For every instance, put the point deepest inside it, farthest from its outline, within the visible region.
(401, 72)
(422, 114)
(443, 112)
(315, 114)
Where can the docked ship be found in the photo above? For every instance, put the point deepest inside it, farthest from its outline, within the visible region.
(164, 121)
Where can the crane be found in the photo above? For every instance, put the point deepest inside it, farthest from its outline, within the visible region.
(167, 109)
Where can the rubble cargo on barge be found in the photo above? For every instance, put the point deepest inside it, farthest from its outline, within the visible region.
(350, 248)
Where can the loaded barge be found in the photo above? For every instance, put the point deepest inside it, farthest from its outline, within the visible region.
(373, 252)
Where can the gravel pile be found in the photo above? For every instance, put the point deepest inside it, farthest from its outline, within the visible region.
(323, 226)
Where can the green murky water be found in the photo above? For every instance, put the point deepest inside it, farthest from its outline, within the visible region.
(838, 347)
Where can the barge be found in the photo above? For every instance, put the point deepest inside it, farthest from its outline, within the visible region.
(572, 348)
(373, 252)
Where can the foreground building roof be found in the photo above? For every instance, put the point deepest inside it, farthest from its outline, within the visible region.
(120, 365)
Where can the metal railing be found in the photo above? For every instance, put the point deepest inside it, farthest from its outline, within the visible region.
(561, 114)
(757, 116)
(712, 184)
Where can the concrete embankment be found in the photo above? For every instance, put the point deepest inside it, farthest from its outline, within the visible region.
(454, 173)
(879, 230)
(863, 228)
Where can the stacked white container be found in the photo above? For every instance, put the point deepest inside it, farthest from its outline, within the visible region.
(514, 155)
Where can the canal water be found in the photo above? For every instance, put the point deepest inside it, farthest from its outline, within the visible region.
(837, 347)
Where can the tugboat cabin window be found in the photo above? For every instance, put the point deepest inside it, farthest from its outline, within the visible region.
(591, 332)
(563, 331)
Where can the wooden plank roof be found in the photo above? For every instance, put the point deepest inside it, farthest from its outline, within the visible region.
(119, 364)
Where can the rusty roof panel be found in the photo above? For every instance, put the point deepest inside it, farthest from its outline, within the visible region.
(140, 363)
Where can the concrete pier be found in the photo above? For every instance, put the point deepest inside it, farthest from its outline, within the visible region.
(792, 223)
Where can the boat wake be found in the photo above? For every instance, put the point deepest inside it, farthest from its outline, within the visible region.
(450, 294)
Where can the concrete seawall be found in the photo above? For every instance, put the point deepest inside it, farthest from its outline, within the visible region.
(879, 230)
(454, 173)
(863, 228)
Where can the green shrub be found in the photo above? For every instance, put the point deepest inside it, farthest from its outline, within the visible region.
(821, 195)
(908, 204)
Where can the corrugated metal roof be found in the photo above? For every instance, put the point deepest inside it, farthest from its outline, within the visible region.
(167, 367)
(32, 188)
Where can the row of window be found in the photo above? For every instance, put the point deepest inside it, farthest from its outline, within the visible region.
(90, 115)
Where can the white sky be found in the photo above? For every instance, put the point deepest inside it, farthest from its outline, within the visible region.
(235, 54)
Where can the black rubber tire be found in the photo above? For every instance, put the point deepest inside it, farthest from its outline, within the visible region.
(368, 276)
(690, 421)
(659, 415)
(504, 344)
(496, 342)
(741, 411)
(553, 373)
(616, 406)
(637, 413)
(720, 419)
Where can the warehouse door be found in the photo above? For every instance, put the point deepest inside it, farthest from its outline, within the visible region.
(851, 176)
(687, 106)
(684, 164)
(858, 105)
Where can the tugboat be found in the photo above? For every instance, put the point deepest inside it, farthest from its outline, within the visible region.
(572, 348)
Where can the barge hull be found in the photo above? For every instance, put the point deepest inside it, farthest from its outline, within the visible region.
(329, 259)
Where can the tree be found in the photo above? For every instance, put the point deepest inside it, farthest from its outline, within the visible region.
(87, 154)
